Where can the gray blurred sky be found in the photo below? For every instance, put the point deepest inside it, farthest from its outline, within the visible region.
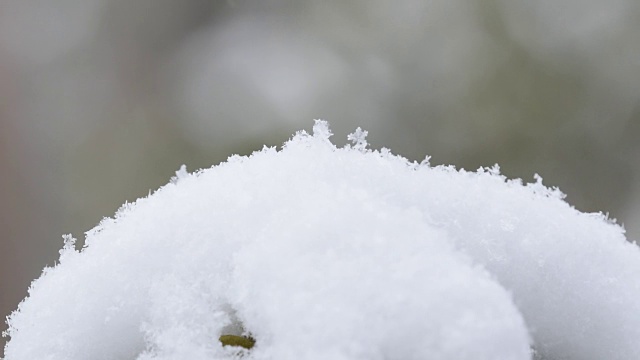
(102, 100)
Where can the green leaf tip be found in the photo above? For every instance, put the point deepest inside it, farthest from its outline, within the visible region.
(246, 342)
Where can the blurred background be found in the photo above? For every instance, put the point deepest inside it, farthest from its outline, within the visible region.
(101, 101)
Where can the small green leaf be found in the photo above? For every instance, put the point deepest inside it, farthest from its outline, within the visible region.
(246, 342)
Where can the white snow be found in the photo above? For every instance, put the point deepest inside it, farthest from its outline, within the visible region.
(339, 253)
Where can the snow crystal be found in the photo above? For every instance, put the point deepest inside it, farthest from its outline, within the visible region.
(320, 252)
(180, 174)
(359, 139)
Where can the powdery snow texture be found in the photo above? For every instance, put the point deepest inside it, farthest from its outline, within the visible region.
(339, 254)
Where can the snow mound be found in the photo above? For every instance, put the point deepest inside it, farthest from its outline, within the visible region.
(334, 253)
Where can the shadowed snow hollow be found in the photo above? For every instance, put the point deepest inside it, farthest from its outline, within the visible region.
(334, 253)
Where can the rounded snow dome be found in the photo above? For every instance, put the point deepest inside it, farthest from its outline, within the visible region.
(320, 252)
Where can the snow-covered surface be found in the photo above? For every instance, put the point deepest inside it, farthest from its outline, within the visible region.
(337, 254)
